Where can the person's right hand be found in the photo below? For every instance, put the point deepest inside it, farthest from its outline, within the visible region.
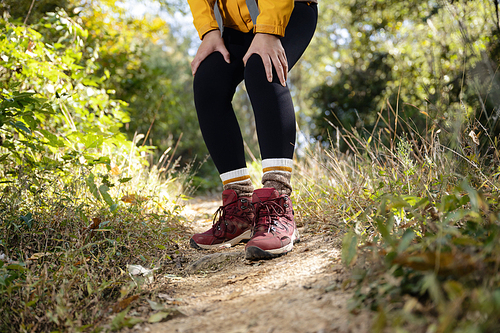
(212, 42)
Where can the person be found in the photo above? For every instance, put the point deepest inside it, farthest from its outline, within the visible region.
(259, 50)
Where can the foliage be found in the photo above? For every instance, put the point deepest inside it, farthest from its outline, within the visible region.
(30, 11)
(79, 202)
(147, 67)
(420, 223)
(425, 58)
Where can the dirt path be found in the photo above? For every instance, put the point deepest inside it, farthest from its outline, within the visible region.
(220, 291)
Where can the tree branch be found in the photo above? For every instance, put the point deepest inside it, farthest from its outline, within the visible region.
(29, 12)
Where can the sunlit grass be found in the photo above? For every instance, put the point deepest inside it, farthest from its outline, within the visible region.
(420, 222)
(65, 250)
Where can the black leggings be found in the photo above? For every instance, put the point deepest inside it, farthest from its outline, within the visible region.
(215, 83)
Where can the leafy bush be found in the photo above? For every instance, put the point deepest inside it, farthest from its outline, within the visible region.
(79, 202)
(420, 224)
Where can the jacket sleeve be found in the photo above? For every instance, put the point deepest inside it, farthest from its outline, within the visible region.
(274, 16)
(203, 16)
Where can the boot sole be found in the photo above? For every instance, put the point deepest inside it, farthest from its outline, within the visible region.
(244, 237)
(256, 253)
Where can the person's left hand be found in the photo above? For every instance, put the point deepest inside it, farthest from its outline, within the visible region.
(272, 53)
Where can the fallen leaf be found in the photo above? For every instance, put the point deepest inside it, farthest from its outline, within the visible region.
(133, 198)
(36, 256)
(157, 317)
(474, 137)
(156, 306)
(96, 221)
(165, 315)
(166, 297)
(231, 281)
(121, 305)
(80, 262)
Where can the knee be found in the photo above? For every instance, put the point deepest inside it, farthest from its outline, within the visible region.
(254, 69)
(255, 72)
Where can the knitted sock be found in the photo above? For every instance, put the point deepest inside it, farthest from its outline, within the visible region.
(238, 181)
(277, 174)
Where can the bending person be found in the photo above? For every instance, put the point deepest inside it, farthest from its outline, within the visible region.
(261, 54)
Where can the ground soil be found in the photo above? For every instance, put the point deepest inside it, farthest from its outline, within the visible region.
(220, 291)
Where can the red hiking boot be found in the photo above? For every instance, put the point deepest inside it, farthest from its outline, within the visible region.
(274, 230)
(234, 223)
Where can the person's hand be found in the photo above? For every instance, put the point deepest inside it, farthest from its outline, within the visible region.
(212, 42)
(272, 53)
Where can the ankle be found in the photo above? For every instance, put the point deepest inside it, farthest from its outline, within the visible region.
(242, 189)
(279, 182)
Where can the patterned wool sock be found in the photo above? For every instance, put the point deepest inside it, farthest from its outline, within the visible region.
(238, 181)
(277, 174)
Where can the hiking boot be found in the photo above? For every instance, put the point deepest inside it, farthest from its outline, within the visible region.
(233, 225)
(274, 230)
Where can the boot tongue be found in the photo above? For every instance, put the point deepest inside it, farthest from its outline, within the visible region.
(264, 194)
(229, 196)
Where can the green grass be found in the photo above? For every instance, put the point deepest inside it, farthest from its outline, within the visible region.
(65, 251)
(420, 224)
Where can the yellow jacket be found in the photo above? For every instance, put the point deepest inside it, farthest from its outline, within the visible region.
(273, 17)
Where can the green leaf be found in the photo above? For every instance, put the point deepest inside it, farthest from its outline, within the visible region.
(156, 306)
(28, 219)
(21, 126)
(103, 189)
(157, 317)
(16, 267)
(349, 247)
(454, 289)
(92, 186)
(432, 285)
(405, 240)
(119, 320)
(124, 180)
(53, 139)
(382, 226)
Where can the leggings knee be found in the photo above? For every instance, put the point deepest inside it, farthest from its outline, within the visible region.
(255, 72)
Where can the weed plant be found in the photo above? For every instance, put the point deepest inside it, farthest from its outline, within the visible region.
(420, 224)
(79, 202)
(64, 253)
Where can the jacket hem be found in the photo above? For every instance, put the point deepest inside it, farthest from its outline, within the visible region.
(270, 29)
(207, 28)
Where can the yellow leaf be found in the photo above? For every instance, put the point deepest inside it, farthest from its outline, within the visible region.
(115, 170)
(133, 198)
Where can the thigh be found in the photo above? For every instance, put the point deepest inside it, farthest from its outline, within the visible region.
(215, 78)
(299, 31)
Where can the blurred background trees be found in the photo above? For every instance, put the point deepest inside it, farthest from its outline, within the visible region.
(433, 63)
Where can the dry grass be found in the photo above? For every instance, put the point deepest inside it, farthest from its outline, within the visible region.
(420, 220)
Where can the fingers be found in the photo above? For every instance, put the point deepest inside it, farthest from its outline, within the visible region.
(280, 65)
(225, 53)
(281, 69)
(269, 48)
(212, 42)
(284, 62)
(194, 66)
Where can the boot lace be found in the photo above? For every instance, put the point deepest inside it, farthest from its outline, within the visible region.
(267, 215)
(224, 214)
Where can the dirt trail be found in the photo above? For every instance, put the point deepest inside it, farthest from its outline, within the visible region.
(220, 291)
